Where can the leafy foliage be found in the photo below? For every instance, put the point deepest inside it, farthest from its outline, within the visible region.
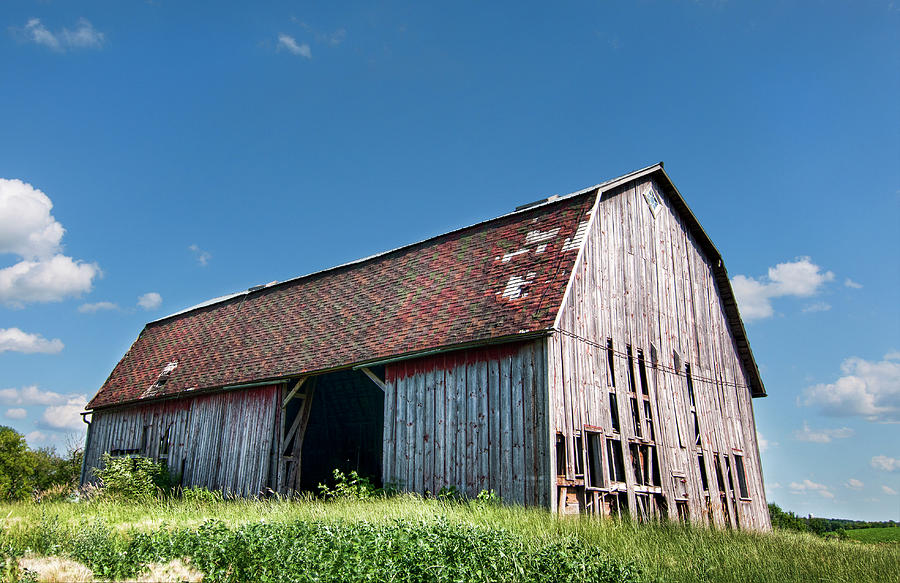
(350, 486)
(16, 469)
(134, 478)
(24, 471)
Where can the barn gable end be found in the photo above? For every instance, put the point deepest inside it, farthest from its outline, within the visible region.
(644, 345)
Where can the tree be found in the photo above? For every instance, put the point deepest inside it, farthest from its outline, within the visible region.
(16, 465)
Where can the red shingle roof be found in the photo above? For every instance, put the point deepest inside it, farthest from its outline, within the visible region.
(500, 278)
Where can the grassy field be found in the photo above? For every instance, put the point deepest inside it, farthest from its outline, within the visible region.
(875, 535)
(408, 538)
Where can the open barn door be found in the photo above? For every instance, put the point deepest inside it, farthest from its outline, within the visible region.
(333, 421)
(295, 411)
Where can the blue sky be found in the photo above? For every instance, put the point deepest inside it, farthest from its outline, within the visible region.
(194, 150)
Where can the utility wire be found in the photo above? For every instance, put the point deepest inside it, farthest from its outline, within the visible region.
(658, 365)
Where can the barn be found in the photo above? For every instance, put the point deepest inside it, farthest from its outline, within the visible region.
(583, 353)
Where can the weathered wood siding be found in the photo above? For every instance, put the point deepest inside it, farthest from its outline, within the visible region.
(470, 419)
(221, 441)
(643, 284)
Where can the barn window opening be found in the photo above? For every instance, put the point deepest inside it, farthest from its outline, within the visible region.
(684, 514)
(594, 472)
(642, 369)
(645, 465)
(690, 383)
(704, 481)
(697, 439)
(614, 413)
(742, 478)
(635, 417)
(560, 454)
(610, 361)
(631, 383)
(648, 418)
(642, 504)
(616, 460)
(162, 455)
(579, 456)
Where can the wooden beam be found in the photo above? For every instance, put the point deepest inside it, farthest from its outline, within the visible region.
(374, 378)
(293, 392)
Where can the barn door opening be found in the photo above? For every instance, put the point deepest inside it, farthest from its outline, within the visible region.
(339, 422)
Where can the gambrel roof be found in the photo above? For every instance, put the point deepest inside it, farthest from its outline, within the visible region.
(498, 280)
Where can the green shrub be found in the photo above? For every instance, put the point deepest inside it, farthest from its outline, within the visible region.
(134, 478)
(350, 486)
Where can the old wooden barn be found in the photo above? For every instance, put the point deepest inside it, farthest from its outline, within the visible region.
(583, 353)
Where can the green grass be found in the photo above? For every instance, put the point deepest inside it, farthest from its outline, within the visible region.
(510, 536)
(875, 535)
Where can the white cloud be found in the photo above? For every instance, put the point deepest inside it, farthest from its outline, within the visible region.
(822, 435)
(854, 484)
(200, 255)
(83, 36)
(97, 307)
(883, 462)
(817, 307)
(38, 34)
(889, 491)
(15, 340)
(852, 284)
(799, 278)
(150, 300)
(763, 443)
(49, 280)
(16, 413)
(808, 487)
(65, 417)
(27, 229)
(31, 395)
(866, 389)
(289, 43)
(36, 438)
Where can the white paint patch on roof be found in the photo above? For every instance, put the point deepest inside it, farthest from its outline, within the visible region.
(539, 236)
(541, 248)
(575, 242)
(514, 287)
(508, 256)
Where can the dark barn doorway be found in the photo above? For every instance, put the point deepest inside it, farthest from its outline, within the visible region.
(344, 428)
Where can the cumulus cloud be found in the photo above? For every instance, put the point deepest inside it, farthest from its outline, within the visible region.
(763, 443)
(289, 43)
(97, 307)
(16, 413)
(822, 435)
(31, 395)
(36, 438)
(65, 417)
(82, 36)
(854, 484)
(883, 462)
(888, 490)
(15, 340)
(867, 389)
(200, 255)
(809, 487)
(852, 284)
(28, 230)
(799, 278)
(150, 301)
